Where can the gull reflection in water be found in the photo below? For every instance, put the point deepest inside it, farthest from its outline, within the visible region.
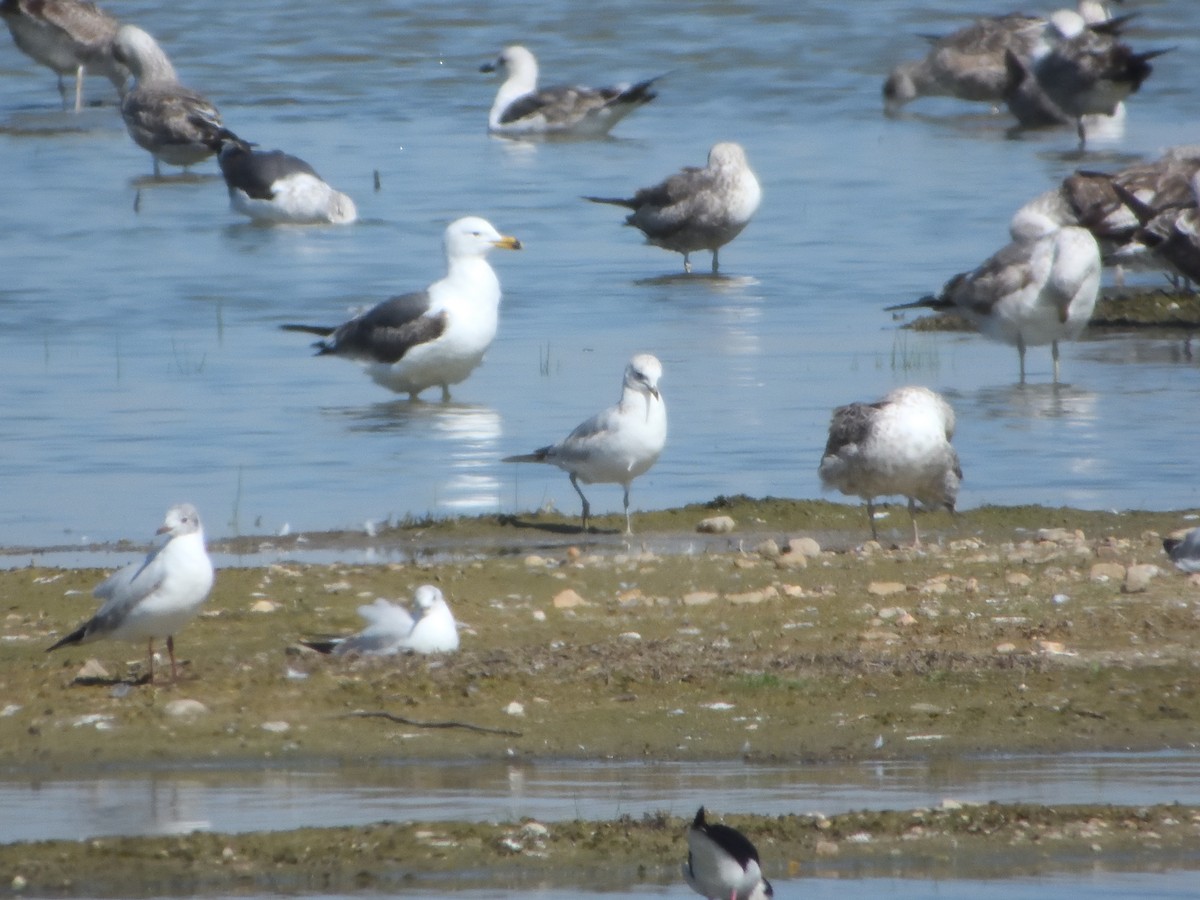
(460, 437)
(1038, 401)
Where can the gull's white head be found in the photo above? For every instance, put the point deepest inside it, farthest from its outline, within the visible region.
(427, 597)
(473, 236)
(141, 54)
(181, 518)
(519, 63)
(643, 373)
(727, 155)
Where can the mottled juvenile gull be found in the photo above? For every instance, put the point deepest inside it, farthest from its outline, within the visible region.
(722, 863)
(70, 37)
(277, 188)
(521, 108)
(432, 337)
(1039, 289)
(696, 209)
(158, 596)
(897, 445)
(177, 125)
(1185, 551)
(1171, 233)
(392, 629)
(617, 445)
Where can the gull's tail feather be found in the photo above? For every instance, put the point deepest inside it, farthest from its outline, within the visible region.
(322, 646)
(539, 455)
(1112, 27)
(639, 93)
(615, 201)
(322, 330)
(75, 637)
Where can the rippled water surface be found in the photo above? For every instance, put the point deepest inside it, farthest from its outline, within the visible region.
(142, 361)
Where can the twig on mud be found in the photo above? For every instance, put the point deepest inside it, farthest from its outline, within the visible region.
(392, 717)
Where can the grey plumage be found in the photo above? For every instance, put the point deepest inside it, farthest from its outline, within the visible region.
(383, 333)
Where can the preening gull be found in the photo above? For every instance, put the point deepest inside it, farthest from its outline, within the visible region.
(1171, 233)
(521, 108)
(177, 125)
(617, 445)
(1039, 289)
(392, 629)
(432, 337)
(722, 863)
(1185, 551)
(158, 596)
(1091, 199)
(70, 37)
(277, 188)
(697, 209)
(897, 445)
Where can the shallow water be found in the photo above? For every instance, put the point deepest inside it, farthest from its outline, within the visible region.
(228, 799)
(141, 358)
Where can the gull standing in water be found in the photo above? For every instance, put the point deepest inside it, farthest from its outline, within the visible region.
(158, 596)
(392, 629)
(722, 863)
(617, 445)
(521, 108)
(897, 445)
(67, 36)
(432, 337)
(1039, 289)
(697, 209)
(277, 188)
(175, 124)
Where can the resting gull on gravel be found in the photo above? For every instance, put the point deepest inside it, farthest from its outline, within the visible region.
(617, 445)
(1184, 551)
(434, 337)
(697, 208)
(70, 37)
(392, 629)
(897, 445)
(273, 187)
(177, 125)
(722, 863)
(1039, 289)
(158, 596)
(521, 108)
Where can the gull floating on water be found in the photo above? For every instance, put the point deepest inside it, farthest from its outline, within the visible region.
(897, 445)
(617, 445)
(521, 108)
(277, 188)
(392, 629)
(432, 337)
(1039, 289)
(697, 208)
(723, 864)
(70, 37)
(177, 125)
(158, 596)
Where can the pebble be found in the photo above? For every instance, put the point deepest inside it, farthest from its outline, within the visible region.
(91, 669)
(716, 525)
(768, 549)
(184, 708)
(885, 588)
(515, 709)
(827, 848)
(752, 597)
(264, 606)
(337, 587)
(276, 727)
(805, 546)
(568, 599)
(1018, 579)
(1138, 577)
(1006, 647)
(699, 598)
(1106, 571)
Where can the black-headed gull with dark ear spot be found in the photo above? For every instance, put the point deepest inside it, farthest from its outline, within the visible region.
(897, 445)
(68, 36)
(392, 629)
(521, 108)
(434, 337)
(276, 188)
(175, 124)
(722, 863)
(158, 596)
(618, 444)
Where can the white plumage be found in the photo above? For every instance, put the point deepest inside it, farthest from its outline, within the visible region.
(435, 337)
(618, 444)
(275, 188)
(392, 629)
(897, 445)
(723, 864)
(158, 596)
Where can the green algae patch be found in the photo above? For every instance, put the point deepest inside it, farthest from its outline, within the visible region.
(952, 840)
(1014, 629)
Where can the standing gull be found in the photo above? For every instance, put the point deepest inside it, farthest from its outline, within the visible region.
(1039, 289)
(1184, 551)
(392, 629)
(70, 37)
(1171, 233)
(521, 108)
(277, 188)
(617, 445)
(158, 596)
(177, 125)
(897, 445)
(432, 337)
(722, 863)
(697, 209)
